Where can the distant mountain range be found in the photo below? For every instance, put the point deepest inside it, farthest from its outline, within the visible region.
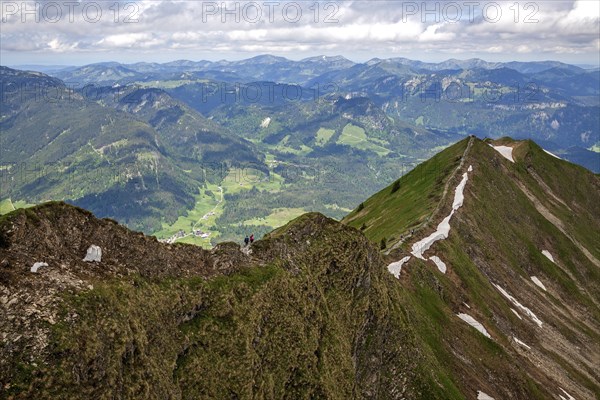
(326, 62)
(275, 69)
(150, 144)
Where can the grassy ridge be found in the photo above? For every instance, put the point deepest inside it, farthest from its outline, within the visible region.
(497, 238)
(388, 215)
(314, 313)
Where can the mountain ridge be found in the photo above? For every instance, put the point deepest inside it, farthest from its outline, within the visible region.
(85, 289)
(311, 309)
(518, 241)
(521, 66)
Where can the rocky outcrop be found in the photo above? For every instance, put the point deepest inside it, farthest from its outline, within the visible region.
(305, 312)
(58, 238)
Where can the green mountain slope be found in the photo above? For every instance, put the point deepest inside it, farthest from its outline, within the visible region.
(141, 160)
(512, 214)
(410, 201)
(312, 311)
(291, 319)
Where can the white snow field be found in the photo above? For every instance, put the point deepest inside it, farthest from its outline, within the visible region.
(94, 253)
(505, 151)
(483, 396)
(522, 343)
(553, 155)
(516, 313)
(459, 195)
(37, 266)
(473, 322)
(568, 396)
(265, 122)
(396, 267)
(548, 255)
(439, 263)
(443, 229)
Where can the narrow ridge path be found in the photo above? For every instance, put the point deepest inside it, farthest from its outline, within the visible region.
(437, 209)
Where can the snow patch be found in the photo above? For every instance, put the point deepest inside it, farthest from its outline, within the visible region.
(569, 397)
(439, 263)
(505, 151)
(443, 229)
(265, 122)
(548, 255)
(473, 322)
(94, 253)
(522, 343)
(526, 310)
(553, 155)
(396, 267)
(538, 282)
(468, 306)
(516, 313)
(482, 396)
(38, 265)
(470, 168)
(459, 196)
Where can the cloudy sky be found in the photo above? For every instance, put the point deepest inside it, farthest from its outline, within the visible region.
(80, 32)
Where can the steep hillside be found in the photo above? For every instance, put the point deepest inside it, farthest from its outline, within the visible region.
(410, 200)
(500, 301)
(515, 252)
(310, 311)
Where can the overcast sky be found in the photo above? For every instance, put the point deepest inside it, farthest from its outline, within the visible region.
(74, 33)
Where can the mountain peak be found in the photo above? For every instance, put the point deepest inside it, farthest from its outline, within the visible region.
(497, 219)
(264, 58)
(329, 59)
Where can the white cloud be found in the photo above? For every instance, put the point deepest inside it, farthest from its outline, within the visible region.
(495, 49)
(124, 40)
(435, 33)
(383, 27)
(585, 10)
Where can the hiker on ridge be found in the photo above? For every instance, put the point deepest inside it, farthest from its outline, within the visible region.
(246, 240)
(252, 238)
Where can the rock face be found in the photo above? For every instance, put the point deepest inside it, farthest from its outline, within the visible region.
(34, 304)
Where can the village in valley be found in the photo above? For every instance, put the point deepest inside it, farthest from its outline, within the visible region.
(181, 234)
(194, 231)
